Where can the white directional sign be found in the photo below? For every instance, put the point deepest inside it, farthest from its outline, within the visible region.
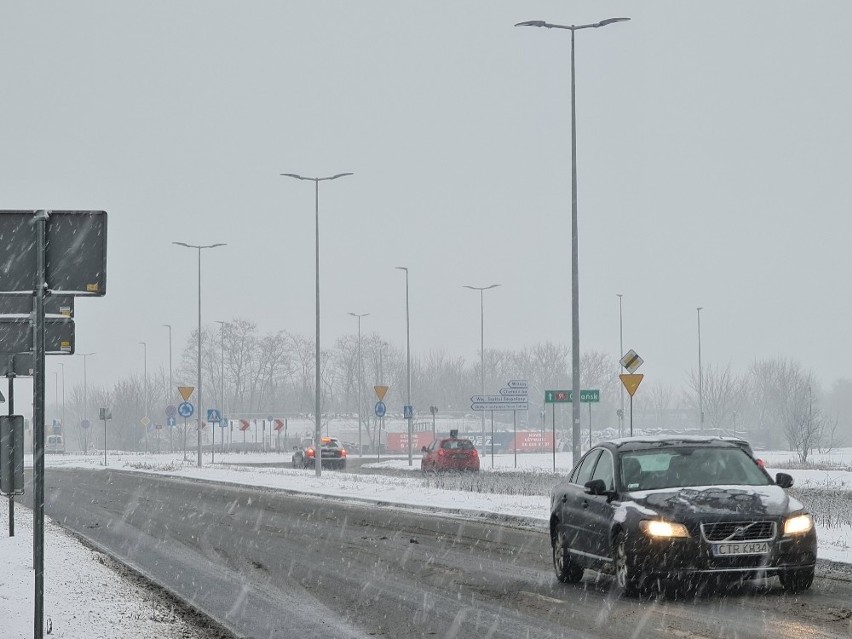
(513, 396)
(499, 406)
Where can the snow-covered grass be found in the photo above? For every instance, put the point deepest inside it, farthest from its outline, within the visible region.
(84, 596)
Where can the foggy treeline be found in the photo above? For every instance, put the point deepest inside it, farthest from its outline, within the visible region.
(777, 403)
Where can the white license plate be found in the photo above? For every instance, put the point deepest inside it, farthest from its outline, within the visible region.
(741, 548)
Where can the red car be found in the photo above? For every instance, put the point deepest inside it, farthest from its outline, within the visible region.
(450, 453)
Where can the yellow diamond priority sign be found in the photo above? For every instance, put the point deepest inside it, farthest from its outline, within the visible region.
(186, 392)
(381, 391)
(631, 382)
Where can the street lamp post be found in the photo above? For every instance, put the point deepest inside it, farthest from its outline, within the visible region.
(408, 367)
(700, 376)
(575, 288)
(146, 422)
(196, 246)
(318, 380)
(170, 391)
(85, 401)
(620, 355)
(360, 380)
(221, 324)
(482, 290)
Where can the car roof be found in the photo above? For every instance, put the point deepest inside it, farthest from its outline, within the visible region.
(663, 441)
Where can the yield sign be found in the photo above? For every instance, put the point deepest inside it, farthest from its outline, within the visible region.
(631, 382)
(381, 391)
(186, 392)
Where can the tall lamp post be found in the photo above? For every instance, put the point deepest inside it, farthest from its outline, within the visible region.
(575, 288)
(147, 419)
(482, 290)
(170, 390)
(221, 324)
(700, 376)
(408, 367)
(318, 380)
(360, 379)
(196, 246)
(85, 356)
(620, 355)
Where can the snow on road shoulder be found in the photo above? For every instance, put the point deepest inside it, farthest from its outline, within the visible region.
(83, 596)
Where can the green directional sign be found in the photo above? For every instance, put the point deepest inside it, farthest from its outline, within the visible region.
(567, 396)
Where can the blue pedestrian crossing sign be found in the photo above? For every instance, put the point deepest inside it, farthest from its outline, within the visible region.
(381, 409)
(213, 415)
(185, 409)
(408, 411)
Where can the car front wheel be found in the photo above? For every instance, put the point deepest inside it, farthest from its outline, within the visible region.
(627, 577)
(797, 580)
(566, 570)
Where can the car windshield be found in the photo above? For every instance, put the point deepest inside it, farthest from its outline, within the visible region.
(330, 443)
(689, 466)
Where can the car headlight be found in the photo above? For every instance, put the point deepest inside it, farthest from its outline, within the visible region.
(663, 529)
(798, 524)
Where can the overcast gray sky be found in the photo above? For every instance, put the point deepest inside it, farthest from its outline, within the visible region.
(713, 157)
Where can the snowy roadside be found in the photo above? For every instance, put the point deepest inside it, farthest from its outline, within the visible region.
(86, 593)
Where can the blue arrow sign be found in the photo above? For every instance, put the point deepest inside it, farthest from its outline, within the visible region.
(171, 422)
(381, 409)
(185, 409)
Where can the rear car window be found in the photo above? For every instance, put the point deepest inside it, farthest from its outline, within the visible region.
(457, 444)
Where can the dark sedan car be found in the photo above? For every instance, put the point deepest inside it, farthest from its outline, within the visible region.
(677, 510)
(332, 453)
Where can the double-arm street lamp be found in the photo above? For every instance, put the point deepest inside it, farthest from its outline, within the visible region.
(360, 380)
(575, 295)
(199, 247)
(318, 380)
(482, 290)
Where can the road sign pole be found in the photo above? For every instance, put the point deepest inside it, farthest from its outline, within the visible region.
(492, 439)
(515, 431)
(38, 426)
(105, 440)
(590, 424)
(631, 415)
(11, 394)
(553, 425)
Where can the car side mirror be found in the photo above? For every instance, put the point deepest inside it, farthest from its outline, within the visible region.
(422, 449)
(595, 487)
(295, 448)
(784, 480)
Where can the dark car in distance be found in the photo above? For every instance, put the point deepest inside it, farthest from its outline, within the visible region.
(449, 454)
(678, 510)
(332, 453)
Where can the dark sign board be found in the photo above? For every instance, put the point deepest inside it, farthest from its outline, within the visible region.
(12, 454)
(75, 252)
(17, 364)
(23, 305)
(16, 335)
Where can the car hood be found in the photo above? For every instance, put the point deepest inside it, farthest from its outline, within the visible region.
(685, 503)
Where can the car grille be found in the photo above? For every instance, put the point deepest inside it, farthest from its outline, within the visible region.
(739, 531)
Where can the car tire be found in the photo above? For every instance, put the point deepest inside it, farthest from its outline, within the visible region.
(796, 581)
(628, 579)
(567, 571)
